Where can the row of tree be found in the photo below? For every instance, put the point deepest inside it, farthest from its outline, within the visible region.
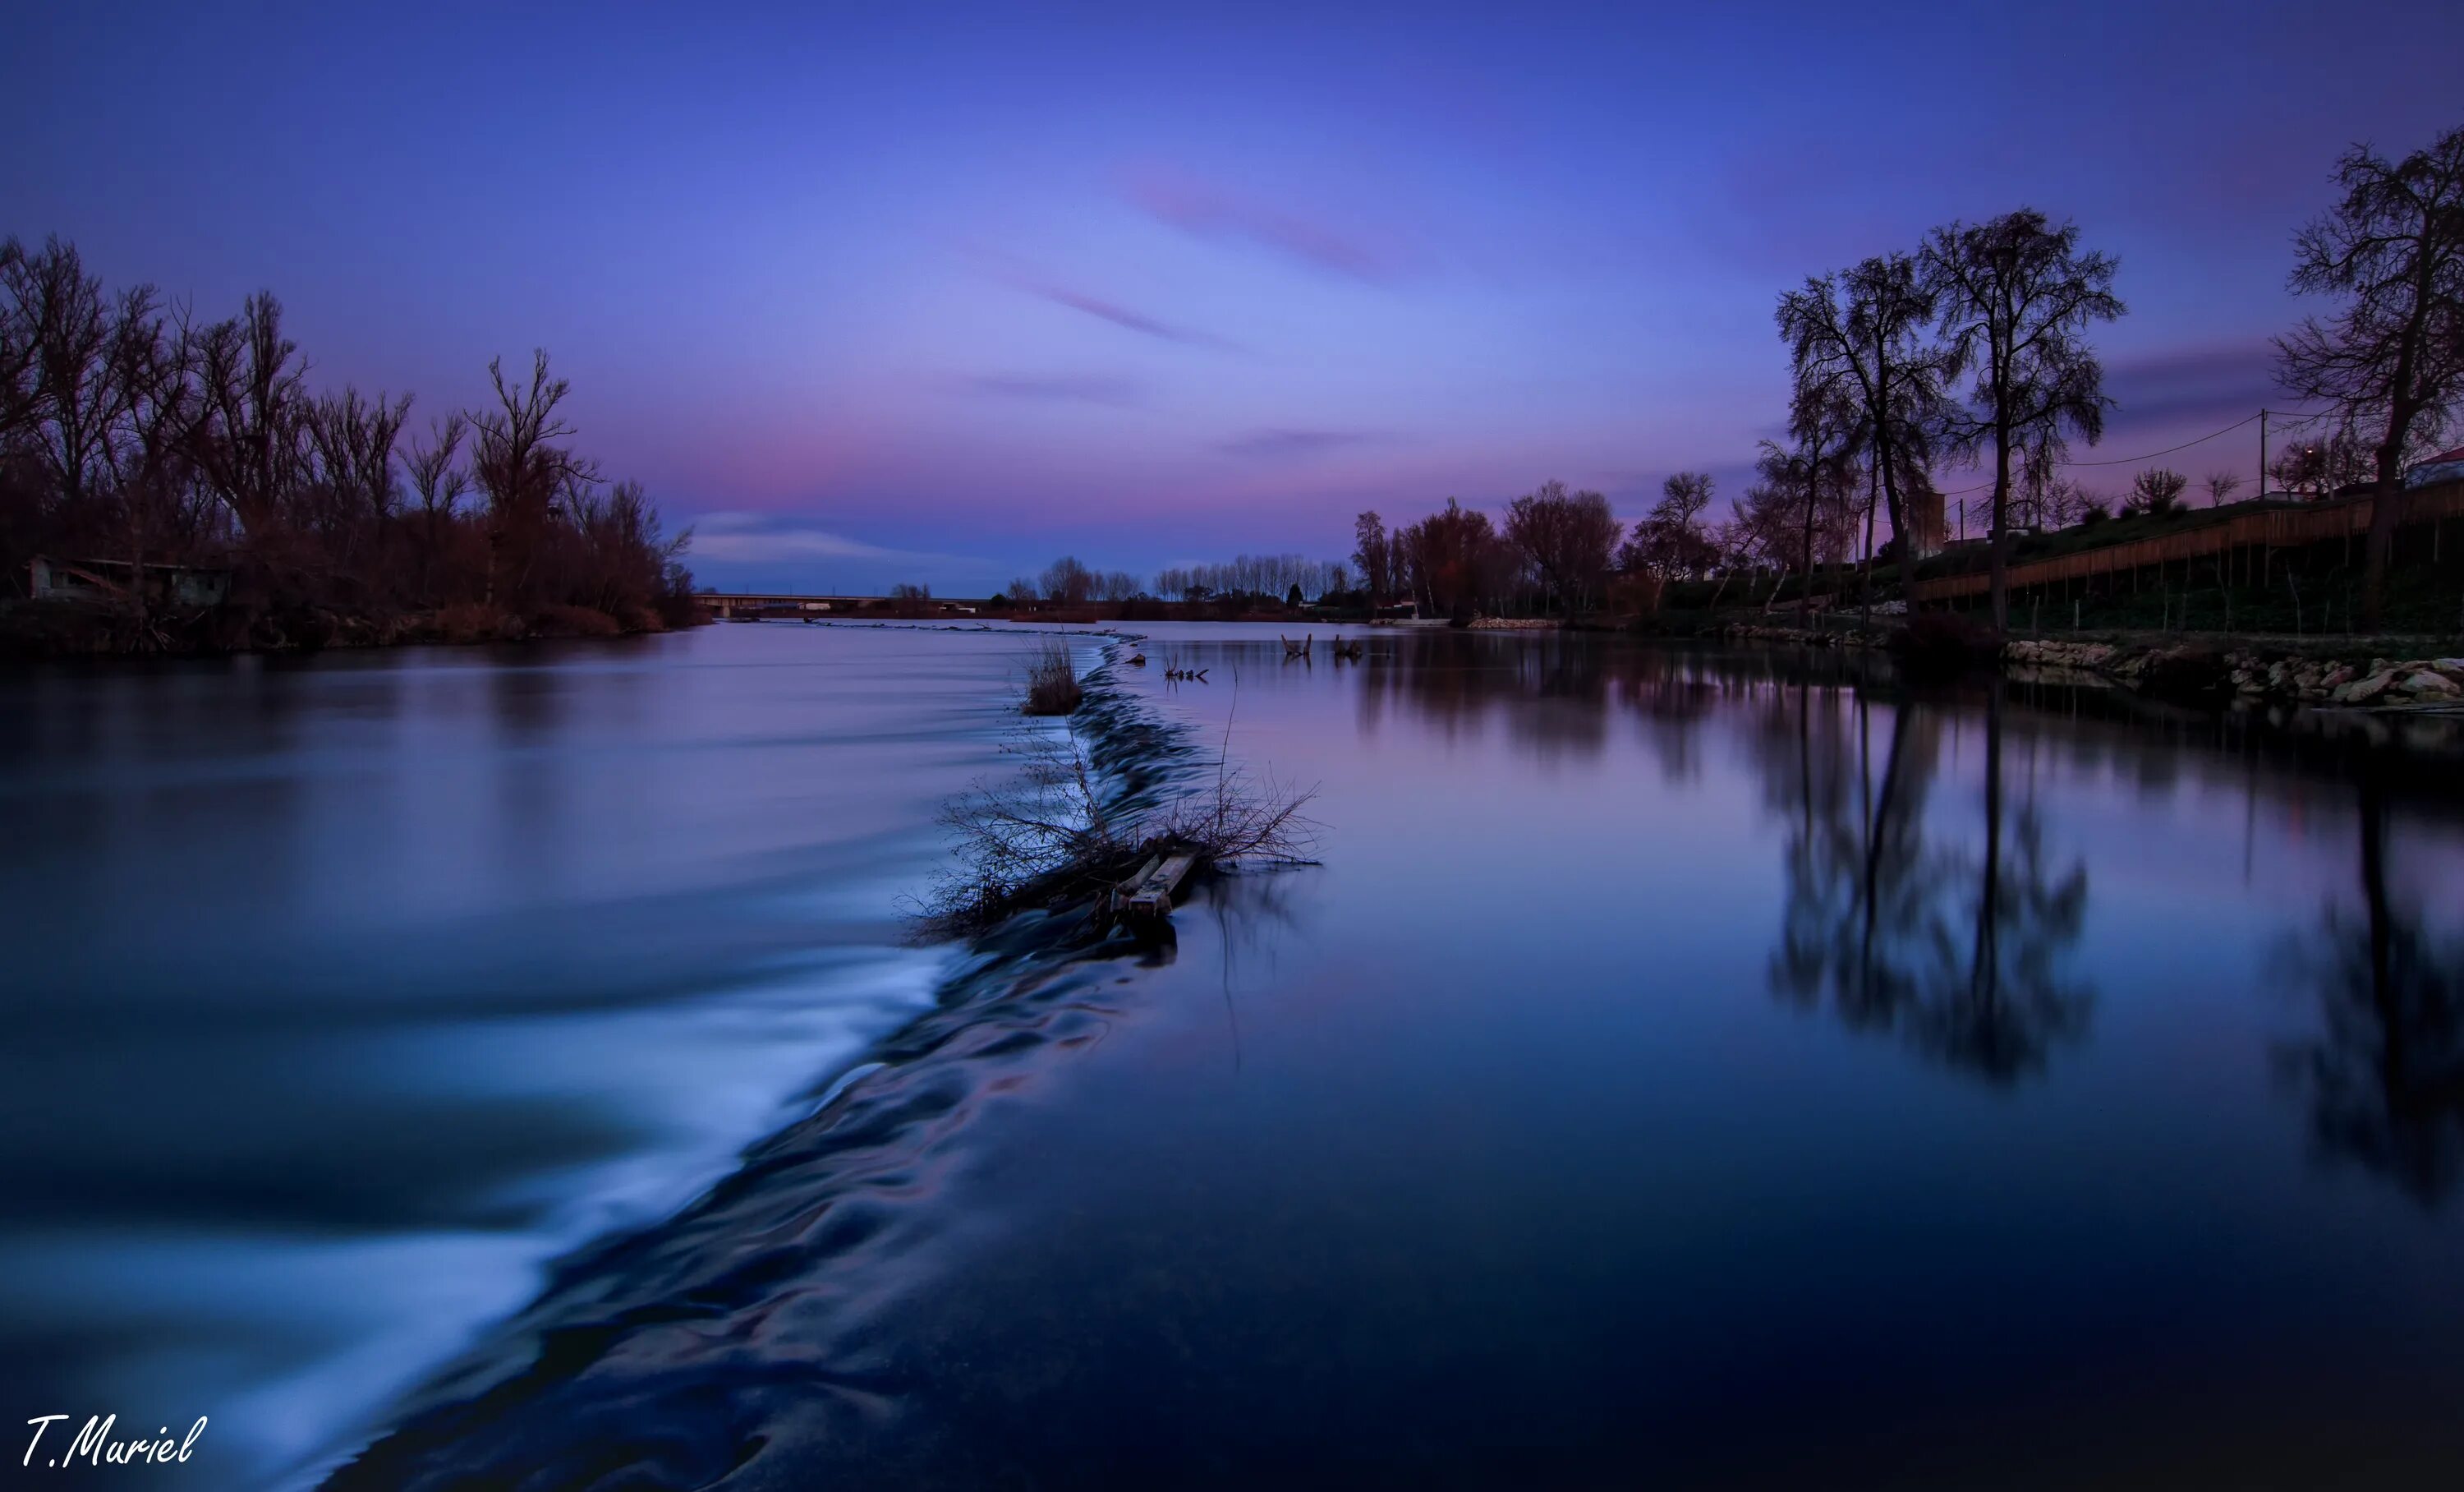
(134, 434)
(1972, 348)
(1286, 577)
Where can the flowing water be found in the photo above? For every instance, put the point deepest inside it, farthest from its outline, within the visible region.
(1692, 1068)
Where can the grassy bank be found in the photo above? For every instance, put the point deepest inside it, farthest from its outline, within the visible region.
(39, 629)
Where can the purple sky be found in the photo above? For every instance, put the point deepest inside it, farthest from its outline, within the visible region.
(943, 293)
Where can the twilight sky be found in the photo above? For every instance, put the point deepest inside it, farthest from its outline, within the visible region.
(873, 293)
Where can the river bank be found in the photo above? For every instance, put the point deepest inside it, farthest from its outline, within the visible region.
(35, 631)
(2365, 673)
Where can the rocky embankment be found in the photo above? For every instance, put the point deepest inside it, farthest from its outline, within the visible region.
(1800, 637)
(2280, 675)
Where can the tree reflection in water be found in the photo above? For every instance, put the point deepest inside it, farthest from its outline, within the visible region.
(1956, 941)
(2385, 1077)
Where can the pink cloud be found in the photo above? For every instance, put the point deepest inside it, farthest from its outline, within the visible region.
(1209, 210)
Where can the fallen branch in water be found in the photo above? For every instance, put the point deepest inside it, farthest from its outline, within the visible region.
(1048, 834)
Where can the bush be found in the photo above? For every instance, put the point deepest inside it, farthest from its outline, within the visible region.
(1052, 686)
(474, 621)
(574, 621)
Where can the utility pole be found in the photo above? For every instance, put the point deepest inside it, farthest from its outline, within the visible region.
(2262, 453)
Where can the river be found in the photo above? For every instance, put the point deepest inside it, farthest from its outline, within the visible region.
(1717, 1068)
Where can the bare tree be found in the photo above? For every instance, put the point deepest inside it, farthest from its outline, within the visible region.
(2391, 360)
(19, 330)
(2318, 468)
(2156, 491)
(523, 471)
(1373, 554)
(1120, 586)
(1863, 336)
(354, 441)
(2016, 297)
(2221, 486)
(127, 429)
(1069, 581)
(1669, 542)
(253, 389)
(437, 482)
(1565, 537)
(76, 401)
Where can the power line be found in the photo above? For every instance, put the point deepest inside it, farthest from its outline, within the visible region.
(2131, 460)
(2126, 460)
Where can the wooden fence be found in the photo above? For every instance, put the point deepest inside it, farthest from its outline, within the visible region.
(2266, 528)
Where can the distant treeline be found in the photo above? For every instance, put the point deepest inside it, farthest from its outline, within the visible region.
(136, 436)
(1971, 349)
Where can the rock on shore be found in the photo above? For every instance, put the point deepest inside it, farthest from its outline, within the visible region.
(2257, 675)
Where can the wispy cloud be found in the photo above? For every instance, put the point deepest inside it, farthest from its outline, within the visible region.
(750, 538)
(2195, 384)
(1288, 443)
(1210, 210)
(1057, 387)
(1126, 319)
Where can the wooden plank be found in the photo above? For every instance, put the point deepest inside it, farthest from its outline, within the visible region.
(1151, 890)
(1121, 893)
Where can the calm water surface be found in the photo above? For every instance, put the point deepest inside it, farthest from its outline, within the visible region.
(1689, 1068)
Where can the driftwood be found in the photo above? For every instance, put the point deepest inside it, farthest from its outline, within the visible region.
(1150, 891)
(1300, 649)
(1346, 649)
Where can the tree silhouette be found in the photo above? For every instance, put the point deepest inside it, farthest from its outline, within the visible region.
(1565, 538)
(2391, 361)
(2156, 491)
(1863, 336)
(2015, 298)
(1373, 554)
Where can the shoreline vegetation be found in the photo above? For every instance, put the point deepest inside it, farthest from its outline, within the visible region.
(172, 485)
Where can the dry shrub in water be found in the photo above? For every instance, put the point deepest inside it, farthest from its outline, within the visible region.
(1049, 833)
(1052, 686)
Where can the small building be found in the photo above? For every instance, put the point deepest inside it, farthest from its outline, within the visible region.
(2445, 466)
(189, 587)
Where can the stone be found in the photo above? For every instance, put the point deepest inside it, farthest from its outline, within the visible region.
(2362, 691)
(2430, 681)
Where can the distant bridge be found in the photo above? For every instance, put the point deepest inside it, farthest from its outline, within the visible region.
(728, 603)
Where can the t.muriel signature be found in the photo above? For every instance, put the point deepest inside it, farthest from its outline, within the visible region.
(95, 1445)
